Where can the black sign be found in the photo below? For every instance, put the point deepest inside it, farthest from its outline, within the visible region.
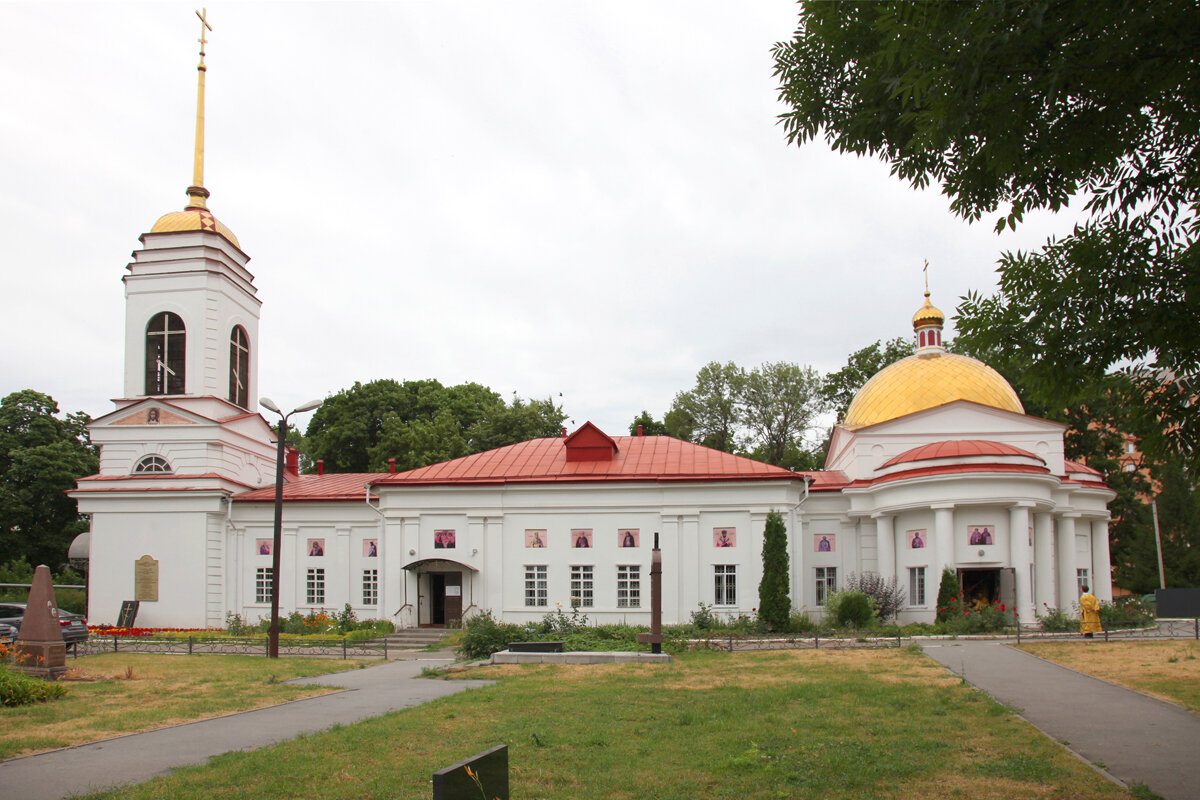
(1177, 603)
(488, 778)
(129, 609)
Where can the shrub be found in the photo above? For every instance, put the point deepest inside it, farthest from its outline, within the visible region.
(556, 623)
(774, 603)
(888, 597)
(800, 622)
(19, 689)
(483, 635)
(1055, 620)
(345, 620)
(948, 590)
(976, 617)
(1128, 612)
(849, 609)
(703, 618)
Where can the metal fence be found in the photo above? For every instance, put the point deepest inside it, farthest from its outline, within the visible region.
(318, 648)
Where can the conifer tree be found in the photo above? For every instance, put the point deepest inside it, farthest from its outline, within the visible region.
(947, 591)
(774, 604)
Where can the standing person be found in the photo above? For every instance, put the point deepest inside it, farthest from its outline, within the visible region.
(1089, 614)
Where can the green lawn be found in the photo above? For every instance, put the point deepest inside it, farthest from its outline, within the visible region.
(118, 693)
(792, 724)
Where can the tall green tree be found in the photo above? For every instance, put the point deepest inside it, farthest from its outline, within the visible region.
(710, 408)
(418, 423)
(774, 600)
(42, 454)
(778, 403)
(1017, 105)
(649, 425)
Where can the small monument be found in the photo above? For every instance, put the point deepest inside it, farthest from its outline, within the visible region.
(654, 637)
(39, 649)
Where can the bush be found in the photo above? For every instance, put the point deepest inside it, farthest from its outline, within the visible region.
(1128, 612)
(19, 689)
(800, 622)
(978, 617)
(483, 635)
(703, 618)
(849, 609)
(948, 590)
(888, 597)
(1055, 620)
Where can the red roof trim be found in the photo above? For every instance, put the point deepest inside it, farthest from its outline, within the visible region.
(161, 476)
(1078, 467)
(959, 448)
(952, 469)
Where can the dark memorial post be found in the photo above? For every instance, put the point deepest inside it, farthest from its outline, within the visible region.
(654, 637)
(39, 649)
(481, 776)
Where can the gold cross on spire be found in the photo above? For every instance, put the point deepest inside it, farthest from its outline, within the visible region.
(202, 13)
(926, 271)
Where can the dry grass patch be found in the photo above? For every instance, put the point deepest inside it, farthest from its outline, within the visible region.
(748, 726)
(118, 693)
(1169, 670)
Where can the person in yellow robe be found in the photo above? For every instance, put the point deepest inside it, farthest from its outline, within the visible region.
(1089, 614)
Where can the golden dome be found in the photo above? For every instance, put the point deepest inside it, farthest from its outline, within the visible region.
(194, 219)
(929, 380)
(927, 314)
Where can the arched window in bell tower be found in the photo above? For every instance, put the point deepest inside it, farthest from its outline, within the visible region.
(165, 350)
(239, 366)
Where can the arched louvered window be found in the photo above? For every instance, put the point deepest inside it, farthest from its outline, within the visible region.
(239, 366)
(165, 350)
(152, 465)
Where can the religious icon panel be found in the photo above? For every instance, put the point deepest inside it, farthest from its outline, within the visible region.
(370, 548)
(628, 537)
(724, 537)
(581, 537)
(316, 547)
(444, 540)
(263, 546)
(535, 538)
(825, 543)
(981, 534)
(917, 539)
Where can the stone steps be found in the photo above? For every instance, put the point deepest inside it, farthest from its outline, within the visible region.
(415, 638)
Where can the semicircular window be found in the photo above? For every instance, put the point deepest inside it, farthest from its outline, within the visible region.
(152, 465)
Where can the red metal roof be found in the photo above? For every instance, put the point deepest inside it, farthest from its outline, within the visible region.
(637, 458)
(959, 449)
(1076, 467)
(329, 487)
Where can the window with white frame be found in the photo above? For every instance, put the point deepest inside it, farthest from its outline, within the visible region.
(262, 585)
(370, 587)
(314, 587)
(152, 465)
(916, 586)
(582, 576)
(826, 583)
(1081, 579)
(725, 584)
(629, 586)
(535, 584)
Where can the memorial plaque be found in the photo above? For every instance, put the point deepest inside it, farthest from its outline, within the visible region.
(484, 775)
(129, 609)
(145, 580)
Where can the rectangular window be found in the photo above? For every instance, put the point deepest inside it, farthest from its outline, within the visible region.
(826, 583)
(262, 585)
(370, 587)
(581, 586)
(1081, 579)
(916, 586)
(535, 584)
(629, 586)
(725, 584)
(315, 587)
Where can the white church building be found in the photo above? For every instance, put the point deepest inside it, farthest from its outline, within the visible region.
(935, 466)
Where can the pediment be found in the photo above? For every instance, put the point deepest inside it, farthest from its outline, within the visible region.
(149, 413)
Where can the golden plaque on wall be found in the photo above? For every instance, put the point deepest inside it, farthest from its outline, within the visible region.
(145, 579)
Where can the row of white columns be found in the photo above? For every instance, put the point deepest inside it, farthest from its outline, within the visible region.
(1047, 571)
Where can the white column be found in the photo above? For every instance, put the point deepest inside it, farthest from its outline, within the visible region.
(1101, 562)
(1020, 557)
(943, 545)
(689, 548)
(1043, 559)
(1068, 594)
(675, 605)
(885, 544)
(796, 539)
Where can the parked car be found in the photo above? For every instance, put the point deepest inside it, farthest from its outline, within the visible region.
(74, 626)
(7, 633)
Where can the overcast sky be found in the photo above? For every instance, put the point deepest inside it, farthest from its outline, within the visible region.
(592, 199)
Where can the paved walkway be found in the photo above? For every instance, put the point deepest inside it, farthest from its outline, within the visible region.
(138, 757)
(1134, 737)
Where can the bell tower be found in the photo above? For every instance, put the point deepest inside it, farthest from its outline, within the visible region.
(191, 308)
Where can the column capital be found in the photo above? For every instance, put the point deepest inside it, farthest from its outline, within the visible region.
(1024, 504)
(943, 506)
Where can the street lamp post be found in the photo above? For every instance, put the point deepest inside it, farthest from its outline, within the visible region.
(273, 634)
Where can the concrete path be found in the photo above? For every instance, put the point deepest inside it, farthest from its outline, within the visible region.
(138, 757)
(1131, 736)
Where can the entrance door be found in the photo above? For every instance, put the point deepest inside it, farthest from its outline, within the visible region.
(445, 596)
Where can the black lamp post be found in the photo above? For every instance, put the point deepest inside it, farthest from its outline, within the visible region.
(273, 634)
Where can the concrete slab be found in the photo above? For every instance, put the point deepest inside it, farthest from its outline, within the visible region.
(610, 657)
(1133, 737)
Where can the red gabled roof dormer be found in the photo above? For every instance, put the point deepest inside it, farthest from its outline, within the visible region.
(589, 443)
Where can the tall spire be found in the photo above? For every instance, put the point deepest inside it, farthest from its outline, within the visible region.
(196, 192)
(928, 322)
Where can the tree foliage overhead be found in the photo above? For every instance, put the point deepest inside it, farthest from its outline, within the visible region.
(41, 457)
(1016, 105)
(420, 423)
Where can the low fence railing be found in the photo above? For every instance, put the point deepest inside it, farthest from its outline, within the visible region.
(324, 648)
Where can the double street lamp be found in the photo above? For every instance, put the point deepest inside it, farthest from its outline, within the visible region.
(273, 635)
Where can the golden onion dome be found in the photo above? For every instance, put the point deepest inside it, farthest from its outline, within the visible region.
(194, 219)
(928, 314)
(929, 380)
